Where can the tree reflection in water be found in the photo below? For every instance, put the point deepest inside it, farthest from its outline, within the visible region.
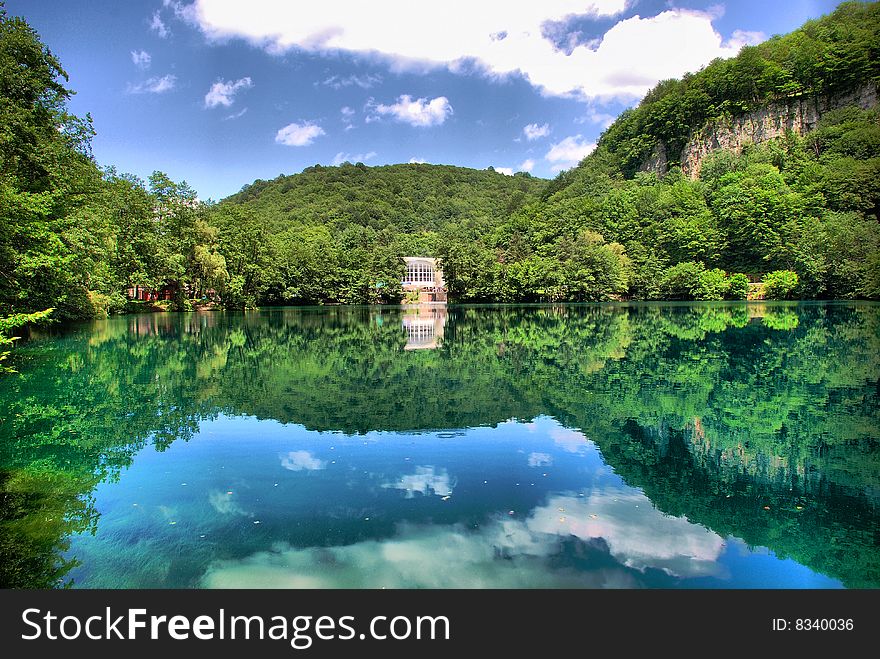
(756, 421)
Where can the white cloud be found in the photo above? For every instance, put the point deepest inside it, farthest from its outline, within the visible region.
(299, 134)
(569, 152)
(342, 157)
(141, 59)
(347, 114)
(527, 165)
(417, 161)
(500, 554)
(594, 116)
(495, 37)
(235, 115)
(363, 81)
(223, 93)
(302, 461)
(540, 459)
(426, 481)
(741, 38)
(507, 171)
(534, 131)
(185, 12)
(637, 534)
(158, 26)
(416, 112)
(156, 85)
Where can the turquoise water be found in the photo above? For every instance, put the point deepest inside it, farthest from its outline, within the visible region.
(696, 446)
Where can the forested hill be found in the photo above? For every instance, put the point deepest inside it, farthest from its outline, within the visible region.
(797, 209)
(338, 233)
(825, 59)
(408, 198)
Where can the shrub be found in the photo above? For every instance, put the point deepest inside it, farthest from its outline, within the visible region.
(711, 285)
(102, 304)
(10, 323)
(780, 285)
(681, 281)
(737, 287)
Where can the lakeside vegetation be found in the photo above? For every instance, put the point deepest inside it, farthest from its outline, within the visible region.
(804, 205)
(801, 213)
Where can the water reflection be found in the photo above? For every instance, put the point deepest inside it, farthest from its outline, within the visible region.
(299, 460)
(424, 326)
(502, 554)
(205, 449)
(425, 481)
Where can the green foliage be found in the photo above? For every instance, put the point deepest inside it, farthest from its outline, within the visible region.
(467, 267)
(737, 287)
(46, 180)
(693, 281)
(758, 215)
(339, 233)
(593, 270)
(711, 285)
(11, 323)
(407, 199)
(780, 285)
(682, 281)
(847, 132)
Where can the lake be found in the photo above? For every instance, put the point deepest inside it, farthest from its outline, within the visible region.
(663, 445)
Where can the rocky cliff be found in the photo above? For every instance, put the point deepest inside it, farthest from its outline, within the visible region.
(799, 115)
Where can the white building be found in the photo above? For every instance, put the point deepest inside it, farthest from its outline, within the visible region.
(423, 275)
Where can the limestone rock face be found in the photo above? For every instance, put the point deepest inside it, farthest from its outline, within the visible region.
(799, 115)
(658, 162)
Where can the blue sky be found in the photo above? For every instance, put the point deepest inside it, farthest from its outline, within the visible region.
(220, 92)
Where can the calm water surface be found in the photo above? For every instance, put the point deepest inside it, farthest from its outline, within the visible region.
(696, 446)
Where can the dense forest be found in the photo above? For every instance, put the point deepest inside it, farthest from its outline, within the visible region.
(799, 213)
(338, 233)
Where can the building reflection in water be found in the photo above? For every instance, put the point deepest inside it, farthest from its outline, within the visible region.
(166, 324)
(424, 326)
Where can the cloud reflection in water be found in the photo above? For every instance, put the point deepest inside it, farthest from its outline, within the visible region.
(607, 539)
(302, 461)
(426, 480)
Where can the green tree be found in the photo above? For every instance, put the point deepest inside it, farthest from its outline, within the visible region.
(681, 281)
(592, 270)
(737, 287)
(46, 177)
(711, 285)
(758, 214)
(245, 246)
(780, 285)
